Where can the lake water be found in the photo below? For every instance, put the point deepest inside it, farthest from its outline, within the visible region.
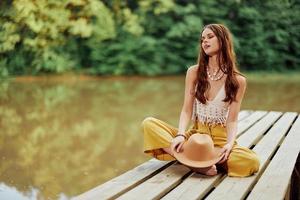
(61, 136)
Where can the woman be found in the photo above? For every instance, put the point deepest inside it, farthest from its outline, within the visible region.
(214, 90)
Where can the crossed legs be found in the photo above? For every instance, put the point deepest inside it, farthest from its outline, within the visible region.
(158, 135)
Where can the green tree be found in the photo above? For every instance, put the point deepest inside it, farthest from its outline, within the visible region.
(44, 36)
(142, 37)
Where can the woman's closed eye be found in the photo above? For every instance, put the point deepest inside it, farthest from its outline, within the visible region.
(208, 37)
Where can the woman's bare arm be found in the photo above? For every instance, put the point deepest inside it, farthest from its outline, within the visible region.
(234, 110)
(187, 108)
(231, 124)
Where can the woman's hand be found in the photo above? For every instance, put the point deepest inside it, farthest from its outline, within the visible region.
(225, 152)
(177, 143)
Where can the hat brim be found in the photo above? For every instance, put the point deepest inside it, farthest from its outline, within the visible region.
(181, 157)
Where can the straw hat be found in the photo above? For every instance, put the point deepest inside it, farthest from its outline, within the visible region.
(199, 151)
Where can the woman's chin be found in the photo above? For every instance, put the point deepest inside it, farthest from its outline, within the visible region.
(210, 54)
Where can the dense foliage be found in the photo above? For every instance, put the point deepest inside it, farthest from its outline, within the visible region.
(149, 37)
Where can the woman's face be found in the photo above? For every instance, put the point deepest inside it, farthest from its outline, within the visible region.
(209, 42)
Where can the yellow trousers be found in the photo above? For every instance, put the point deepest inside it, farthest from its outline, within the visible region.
(158, 134)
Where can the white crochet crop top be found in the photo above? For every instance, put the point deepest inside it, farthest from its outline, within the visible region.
(213, 112)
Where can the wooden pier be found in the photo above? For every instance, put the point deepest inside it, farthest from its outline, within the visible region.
(274, 136)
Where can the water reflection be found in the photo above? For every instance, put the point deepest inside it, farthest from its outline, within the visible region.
(61, 137)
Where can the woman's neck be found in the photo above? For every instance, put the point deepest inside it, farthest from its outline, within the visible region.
(212, 63)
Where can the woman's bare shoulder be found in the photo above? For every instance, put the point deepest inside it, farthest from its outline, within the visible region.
(193, 69)
(241, 79)
(191, 75)
(242, 82)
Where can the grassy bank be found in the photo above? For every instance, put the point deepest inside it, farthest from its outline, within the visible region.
(256, 76)
(263, 76)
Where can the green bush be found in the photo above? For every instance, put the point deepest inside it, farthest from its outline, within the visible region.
(142, 37)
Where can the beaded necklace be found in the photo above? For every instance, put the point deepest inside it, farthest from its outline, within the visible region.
(215, 76)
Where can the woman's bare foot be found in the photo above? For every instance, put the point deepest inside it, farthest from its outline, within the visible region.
(209, 171)
(169, 151)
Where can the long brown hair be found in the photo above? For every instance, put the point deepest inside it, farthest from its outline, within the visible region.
(226, 60)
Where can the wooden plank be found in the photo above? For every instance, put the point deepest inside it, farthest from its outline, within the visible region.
(275, 180)
(243, 114)
(237, 188)
(295, 181)
(159, 184)
(124, 182)
(259, 128)
(195, 187)
(249, 121)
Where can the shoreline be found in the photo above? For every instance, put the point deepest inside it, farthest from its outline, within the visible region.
(257, 76)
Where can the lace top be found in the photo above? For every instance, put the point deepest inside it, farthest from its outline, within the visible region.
(214, 111)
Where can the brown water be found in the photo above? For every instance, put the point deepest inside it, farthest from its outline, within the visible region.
(62, 136)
